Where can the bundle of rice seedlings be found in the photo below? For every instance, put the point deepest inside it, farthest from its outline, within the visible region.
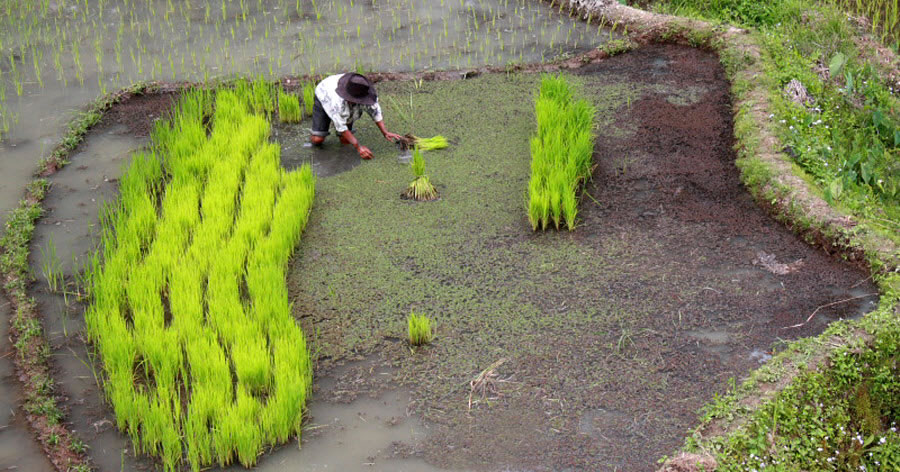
(430, 144)
(420, 189)
(561, 153)
(419, 329)
(289, 110)
(309, 97)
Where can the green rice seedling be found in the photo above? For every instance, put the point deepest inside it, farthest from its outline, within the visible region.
(309, 97)
(561, 153)
(431, 144)
(421, 188)
(289, 110)
(192, 282)
(419, 327)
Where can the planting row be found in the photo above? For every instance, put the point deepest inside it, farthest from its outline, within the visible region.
(202, 360)
(560, 154)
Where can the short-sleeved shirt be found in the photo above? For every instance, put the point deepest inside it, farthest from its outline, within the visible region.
(342, 112)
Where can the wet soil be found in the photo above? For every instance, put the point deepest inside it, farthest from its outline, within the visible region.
(611, 336)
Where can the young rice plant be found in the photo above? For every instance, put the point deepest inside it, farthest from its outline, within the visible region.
(202, 361)
(289, 110)
(419, 329)
(420, 189)
(560, 154)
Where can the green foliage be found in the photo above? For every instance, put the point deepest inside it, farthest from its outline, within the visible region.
(841, 418)
(883, 14)
(419, 329)
(847, 135)
(309, 97)
(561, 154)
(289, 110)
(189, 311)
(740, 12)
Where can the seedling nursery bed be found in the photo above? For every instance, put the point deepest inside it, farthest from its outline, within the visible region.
(554, 350)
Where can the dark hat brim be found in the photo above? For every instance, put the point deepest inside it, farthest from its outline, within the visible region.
(342, 92)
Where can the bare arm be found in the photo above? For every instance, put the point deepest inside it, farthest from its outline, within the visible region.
(363, 151)
(384, 132)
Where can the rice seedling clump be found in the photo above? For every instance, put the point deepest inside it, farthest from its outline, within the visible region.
(431, 144)
(202, 361)
(289, 110)
(561, 153)
(421, 188)
(419, 329)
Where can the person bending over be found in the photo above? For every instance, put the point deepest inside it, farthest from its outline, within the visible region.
(341, 99)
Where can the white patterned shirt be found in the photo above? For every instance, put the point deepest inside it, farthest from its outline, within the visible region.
(342, 112)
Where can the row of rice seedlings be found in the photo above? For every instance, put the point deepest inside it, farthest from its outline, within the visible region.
(561, 153)
(189, 311)
(188, 40)
(289, 110)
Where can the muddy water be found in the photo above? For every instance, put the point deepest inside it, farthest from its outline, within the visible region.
(18, 450)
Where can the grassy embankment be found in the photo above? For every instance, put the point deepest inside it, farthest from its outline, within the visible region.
(842, 132)
(561, 153)
(189, 309)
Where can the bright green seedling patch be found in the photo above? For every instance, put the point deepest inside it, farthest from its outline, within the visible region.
(419, 329)
(309, 97)
(420, 189)
(289, 110)
(560, 154)
(431, 144)
(202, 360)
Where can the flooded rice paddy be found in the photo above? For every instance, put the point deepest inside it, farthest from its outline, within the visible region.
(58, 55)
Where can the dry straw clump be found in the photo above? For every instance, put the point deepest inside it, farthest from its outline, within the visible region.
(202, 360)
(560, 154)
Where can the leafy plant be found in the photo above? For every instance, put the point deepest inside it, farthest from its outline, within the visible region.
(419, 329)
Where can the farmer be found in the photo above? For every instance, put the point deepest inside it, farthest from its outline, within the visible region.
(341, 99)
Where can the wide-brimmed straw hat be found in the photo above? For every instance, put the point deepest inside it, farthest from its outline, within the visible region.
(357, 88)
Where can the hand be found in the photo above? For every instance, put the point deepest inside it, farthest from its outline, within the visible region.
(392, 137)
(365, 153)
